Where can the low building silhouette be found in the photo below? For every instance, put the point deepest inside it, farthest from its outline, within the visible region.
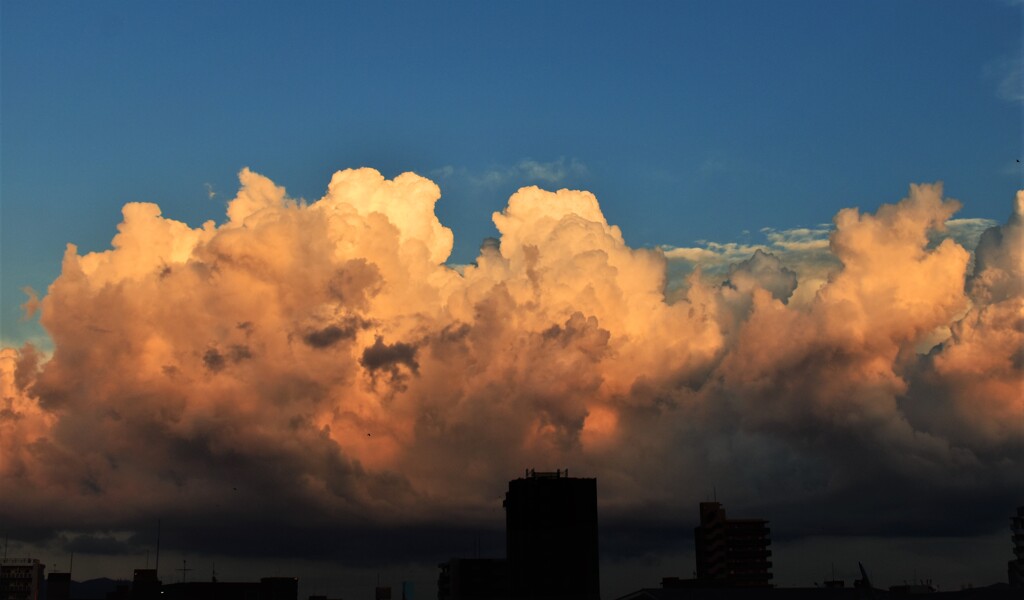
(268, 588)
(145, 585)
(58, 586)
(732, 552)
(21, 579)
(473, 579)
(994, 592)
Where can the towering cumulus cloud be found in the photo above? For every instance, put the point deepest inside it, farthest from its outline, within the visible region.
(317, 365)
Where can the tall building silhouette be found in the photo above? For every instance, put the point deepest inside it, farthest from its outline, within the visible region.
(551, 536)
(732, 552)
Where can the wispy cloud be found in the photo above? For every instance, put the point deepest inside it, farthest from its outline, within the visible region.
(967, 232)
(802, 238)
(525, 172)
(804, 250)
(1008, 75)
(716, 164)
(717, 256)
(1012, 85)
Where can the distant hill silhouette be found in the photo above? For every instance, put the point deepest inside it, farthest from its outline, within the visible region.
(95, 589)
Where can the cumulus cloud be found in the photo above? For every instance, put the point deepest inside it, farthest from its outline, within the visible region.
(976, 376)
(318, 364)
(803, 250)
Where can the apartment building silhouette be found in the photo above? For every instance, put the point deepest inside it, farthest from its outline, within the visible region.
(732, 552)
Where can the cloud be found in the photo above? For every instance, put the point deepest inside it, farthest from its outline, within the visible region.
(31, 305)
(976, 377)
(526, 171)
(713, 166)
(100, 544)
(966, 232)
(1008, 75)
(334, 333)
(803, 250)
(1011, 87)
(763, 271)
(552, 172)
(316, 365)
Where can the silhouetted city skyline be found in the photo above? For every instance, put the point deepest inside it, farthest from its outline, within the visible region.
(552, 553)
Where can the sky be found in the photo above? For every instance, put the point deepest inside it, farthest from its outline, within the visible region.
(311, 283)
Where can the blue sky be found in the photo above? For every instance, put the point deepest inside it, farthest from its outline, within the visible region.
(689, 120)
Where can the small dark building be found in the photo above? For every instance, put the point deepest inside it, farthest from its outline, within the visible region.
(58, 586)
(145, 585)
(473, 579)
(212, 590)
(122, 591)
(1015, 568)
(732, 552)
(268, 588)
(279, 588)
(551, 537)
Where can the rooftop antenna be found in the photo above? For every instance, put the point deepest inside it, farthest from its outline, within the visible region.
(184, 570)
(71, 564)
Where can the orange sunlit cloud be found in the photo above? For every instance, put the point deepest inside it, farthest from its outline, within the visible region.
(324, 352)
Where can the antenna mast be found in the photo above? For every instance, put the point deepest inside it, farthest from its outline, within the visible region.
(184, 570)
(157, 549)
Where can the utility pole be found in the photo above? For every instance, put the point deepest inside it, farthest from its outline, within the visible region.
(158, 548)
